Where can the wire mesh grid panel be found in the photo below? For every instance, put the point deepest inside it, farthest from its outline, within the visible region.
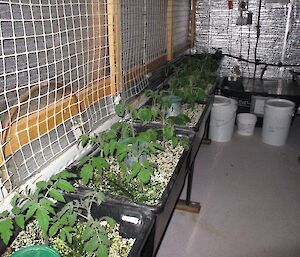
(55, 79)
(133, 24)
(156, 30)
(181, 25)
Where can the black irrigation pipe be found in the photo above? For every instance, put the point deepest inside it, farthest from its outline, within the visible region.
(257, 37)
(258, 62)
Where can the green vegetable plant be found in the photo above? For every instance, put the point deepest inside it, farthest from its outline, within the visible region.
(157, 111)
(168, 123)
(90, 164)
(39, 205)
(129, 151)
(69, 226)
(87, 238)
(191, 76)
(187, 82)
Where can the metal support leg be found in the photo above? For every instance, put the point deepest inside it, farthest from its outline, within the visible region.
(188, 205)
(189, 184)
(206, 140)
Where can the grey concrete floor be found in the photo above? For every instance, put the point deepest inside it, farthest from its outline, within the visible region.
(250, 198)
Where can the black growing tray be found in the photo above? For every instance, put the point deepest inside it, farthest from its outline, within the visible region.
(140, 231)
(120, 213)
(163, 211)
(198, 129)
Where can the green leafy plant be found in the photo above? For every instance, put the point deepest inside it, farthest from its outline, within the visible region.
(90, 164)
(129, 151)
(191, 76)
(134, 152)
(121, 110)
(90, 235)
(39, 205)
(69, 227)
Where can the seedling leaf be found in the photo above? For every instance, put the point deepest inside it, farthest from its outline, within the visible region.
(84, 139)
(20, 221)
(55, 194)
(86, 173)
(6, 227)
(43, 219)
(65, 186)
(120, 110)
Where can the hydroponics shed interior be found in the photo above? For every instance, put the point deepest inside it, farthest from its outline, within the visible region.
(150, 128)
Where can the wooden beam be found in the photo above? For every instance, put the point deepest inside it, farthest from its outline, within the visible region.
(156, 63)
(170, 30)
(111, 44)
(193, 207)
(115, 44)
(118, 35)
(30, 127)
(93, 93)
(193, 23)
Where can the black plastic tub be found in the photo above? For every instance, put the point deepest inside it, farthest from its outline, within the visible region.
(198, 130)
(134, 223)
(161, 212)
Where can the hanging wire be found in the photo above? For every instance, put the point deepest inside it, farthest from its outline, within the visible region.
(257, 37)
(241, 48)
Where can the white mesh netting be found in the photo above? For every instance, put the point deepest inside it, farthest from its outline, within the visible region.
(61, 65)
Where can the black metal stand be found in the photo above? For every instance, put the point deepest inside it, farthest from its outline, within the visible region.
(206, 140)
(187, 204)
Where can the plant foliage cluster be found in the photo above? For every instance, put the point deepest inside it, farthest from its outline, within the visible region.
(190, 77)
(58, 219)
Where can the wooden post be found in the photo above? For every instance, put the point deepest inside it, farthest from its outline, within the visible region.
(119, 69)
(115, 45)
(193, 23)
(170, 30)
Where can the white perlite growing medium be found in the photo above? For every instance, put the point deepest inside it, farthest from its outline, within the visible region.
(194, 114)
(32, 235)
(164, 162)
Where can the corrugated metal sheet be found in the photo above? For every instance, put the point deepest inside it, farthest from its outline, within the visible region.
(216, 28)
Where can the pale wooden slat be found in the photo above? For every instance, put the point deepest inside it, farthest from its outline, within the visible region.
(170, 30)
(193, 23)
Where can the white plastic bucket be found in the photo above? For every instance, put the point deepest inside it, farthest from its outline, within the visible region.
(277, 120)
(222, 119)
(246, 123)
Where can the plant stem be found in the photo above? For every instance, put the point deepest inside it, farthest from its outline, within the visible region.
(82, 216)
(132, 127)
